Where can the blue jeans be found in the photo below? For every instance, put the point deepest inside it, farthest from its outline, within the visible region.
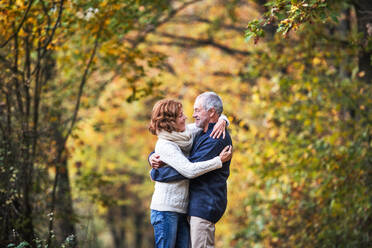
(171, 229)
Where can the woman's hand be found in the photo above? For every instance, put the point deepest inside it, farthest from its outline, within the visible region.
(218, 129)
(226, 154)
(155, 161)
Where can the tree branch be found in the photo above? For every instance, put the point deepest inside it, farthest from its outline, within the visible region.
(45, 9)
(152, 28)
(8, 65)
(50, 38)
(82, 83)
(223, 74)
(16, 81)
(185, 41)
(20, 25)
(188, 19)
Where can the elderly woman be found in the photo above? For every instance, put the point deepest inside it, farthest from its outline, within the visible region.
(170, 200)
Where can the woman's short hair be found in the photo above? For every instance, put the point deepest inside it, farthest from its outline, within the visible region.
(164, 115)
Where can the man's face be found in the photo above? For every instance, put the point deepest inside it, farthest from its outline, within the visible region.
(200, 114)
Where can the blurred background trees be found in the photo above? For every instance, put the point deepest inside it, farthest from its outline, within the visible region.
(78, 82)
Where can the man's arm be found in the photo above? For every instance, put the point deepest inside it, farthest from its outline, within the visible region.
(154, 160)
(149, 158)
(166, 174)
(210, 149)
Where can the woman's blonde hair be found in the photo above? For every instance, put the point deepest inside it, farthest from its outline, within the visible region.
(164, 115)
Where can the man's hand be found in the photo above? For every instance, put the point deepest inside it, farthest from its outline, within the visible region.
(155, 161)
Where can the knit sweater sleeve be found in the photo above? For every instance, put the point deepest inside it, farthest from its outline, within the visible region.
(172, 155)
(193, 129)
(224, 117)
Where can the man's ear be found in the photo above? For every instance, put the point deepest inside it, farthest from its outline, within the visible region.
(212, 112)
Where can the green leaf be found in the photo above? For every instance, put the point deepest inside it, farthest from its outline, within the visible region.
(23, 244)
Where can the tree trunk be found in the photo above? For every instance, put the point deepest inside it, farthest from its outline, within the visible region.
(64, 210)
(116, 218)
(364, 18)
(344, 29)
(138, 223)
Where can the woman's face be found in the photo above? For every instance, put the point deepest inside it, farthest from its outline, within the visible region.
(181, 122)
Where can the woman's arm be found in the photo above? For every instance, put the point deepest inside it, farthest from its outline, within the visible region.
(172, 155)
(193, 129)
(224, 117)
(220, 127)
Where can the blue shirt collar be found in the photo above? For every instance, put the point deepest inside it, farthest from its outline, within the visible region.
(210, 127)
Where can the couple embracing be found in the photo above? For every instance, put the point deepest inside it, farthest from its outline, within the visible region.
(190, 168)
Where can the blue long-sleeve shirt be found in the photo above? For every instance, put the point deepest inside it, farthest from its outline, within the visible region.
(208, 193)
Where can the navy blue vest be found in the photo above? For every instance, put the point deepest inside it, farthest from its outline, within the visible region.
(208, 192)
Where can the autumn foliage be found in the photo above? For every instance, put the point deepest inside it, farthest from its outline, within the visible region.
(78, 82)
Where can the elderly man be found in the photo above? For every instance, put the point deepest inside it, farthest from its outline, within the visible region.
(208, 192)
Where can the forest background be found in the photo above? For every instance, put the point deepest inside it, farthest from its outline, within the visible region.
(78, 80)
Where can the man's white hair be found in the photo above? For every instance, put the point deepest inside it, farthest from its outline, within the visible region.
(211, 100)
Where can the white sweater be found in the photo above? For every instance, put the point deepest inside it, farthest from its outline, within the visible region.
(174, 196)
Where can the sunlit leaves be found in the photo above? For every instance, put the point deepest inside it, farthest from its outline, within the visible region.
(300, 118)
(290, 15)
(314, 166)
